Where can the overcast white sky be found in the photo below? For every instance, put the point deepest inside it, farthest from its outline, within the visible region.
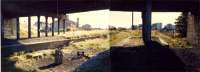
(103, 18)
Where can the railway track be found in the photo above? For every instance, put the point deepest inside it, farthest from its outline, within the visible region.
(29, 45)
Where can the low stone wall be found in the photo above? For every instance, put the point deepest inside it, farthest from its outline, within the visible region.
(42, 43)
(32, 47)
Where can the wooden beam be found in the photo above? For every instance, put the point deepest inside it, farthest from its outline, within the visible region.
(29, 26)
(17, 28)
(38, 26)
(146, 19)
(46, 26)
(52, 28)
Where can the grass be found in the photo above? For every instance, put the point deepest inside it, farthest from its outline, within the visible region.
(174, 41)
(97, 45)
(119, 35)
(68, 34)
(28, 62)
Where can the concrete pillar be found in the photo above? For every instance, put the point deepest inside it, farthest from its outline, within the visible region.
(193, 30)
(146, 20)
(198, 19)
(190, 28)
(46, 26)
(2, 28)
(52, 28)
(198, 31)
(17, 28)
(9, 27)
(185, 14)
(58, 25)
(64, 28)
(38, 26)
(29, 26)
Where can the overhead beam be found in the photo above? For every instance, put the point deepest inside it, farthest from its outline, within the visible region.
(158, 5)
(12, 8)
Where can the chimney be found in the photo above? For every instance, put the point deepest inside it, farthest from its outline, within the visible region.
(77, 22)
(132, 26)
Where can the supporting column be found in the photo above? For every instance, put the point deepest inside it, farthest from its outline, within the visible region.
(184, 25)
(2, 28)
(64, 26)
(190, 28)
(198, 21)
(198, 30)
(38, 25)
(58, 25)
(132, 26)
(17, 28)
(52, 28)
(146, 19)
(46, 26)
(29, 26)
(193, 30)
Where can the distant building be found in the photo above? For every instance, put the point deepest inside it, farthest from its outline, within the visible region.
(140, 26)
(156, 26)
(86, 27)
(133, 27)
(122, 28)
(169, 27)
(42, 26)
(71, 25)
(112, 27)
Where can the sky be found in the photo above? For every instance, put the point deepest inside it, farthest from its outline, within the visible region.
(104, 18)
(97, 19)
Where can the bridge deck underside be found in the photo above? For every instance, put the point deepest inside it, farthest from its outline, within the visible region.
(14, 8)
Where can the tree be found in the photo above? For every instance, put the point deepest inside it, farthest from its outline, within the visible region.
(181, 24)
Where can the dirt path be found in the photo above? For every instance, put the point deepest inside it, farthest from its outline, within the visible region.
(130, 42)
